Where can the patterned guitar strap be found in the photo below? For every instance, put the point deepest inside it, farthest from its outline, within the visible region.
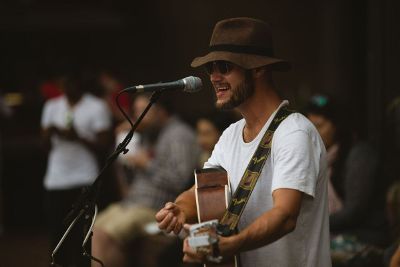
(230, 219)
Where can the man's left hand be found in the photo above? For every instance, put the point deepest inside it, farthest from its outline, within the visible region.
(228, 247)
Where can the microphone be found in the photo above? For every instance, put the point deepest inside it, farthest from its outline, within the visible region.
(189, 84)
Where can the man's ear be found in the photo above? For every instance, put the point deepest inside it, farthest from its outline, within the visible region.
(264, 72)
(260, 72)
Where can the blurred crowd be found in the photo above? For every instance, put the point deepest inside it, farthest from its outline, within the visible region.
(81, 125)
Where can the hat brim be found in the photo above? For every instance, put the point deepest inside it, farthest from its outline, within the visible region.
(246, 61)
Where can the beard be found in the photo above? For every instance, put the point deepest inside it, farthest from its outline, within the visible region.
(239, 94)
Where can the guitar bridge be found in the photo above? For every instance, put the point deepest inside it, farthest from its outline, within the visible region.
(203, 234)
(203, 237)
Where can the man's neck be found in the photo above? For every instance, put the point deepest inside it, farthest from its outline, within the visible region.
(257, 110)
(73, 100)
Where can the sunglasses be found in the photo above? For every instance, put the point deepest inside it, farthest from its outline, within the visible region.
(223, 67)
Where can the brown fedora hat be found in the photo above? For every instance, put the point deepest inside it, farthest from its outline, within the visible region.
(245, 42)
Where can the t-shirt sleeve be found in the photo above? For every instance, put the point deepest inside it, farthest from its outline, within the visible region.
(103, 118)
(215, 159)
(296, 162)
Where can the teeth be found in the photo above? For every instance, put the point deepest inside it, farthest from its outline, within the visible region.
(221, 87)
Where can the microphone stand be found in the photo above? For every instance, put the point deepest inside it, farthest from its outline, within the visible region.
(85, 207)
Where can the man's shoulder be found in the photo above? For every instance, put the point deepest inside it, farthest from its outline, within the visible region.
(94, 104)
(234, 129)
(56, 102)
(297, 129)
(296, 122)
(93, 100)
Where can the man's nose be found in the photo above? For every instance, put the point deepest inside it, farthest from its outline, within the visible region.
(215, 75)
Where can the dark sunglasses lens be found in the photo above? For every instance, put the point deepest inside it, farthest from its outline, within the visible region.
(223, 67)
(209, 67)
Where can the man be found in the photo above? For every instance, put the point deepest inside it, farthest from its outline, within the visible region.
(76, 131)
(161, 173)
(285, 222)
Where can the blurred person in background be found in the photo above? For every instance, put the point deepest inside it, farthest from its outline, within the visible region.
(356, 188)
(124, 168)
(51, 88)
(110, 86)
(209, 128)
(163, 168)
(76, 133)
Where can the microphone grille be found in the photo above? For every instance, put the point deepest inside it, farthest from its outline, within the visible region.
(192, 84)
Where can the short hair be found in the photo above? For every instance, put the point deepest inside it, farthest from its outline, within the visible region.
(167, 103)
(323, 105)
(164, 101)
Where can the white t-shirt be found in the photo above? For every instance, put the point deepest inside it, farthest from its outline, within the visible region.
(71, 163)
(297, 161)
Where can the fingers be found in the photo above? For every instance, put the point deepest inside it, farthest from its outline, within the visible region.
(171, 225)
(164, 211)
(190, 254)
(160, 215)
(177, 228)
(187, 227)
(167, 220)
(169, 205)
(165, 223)
(187, 258)
(170, 218)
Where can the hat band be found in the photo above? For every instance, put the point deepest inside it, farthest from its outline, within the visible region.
(244, 49)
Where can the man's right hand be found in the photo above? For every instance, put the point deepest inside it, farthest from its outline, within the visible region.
(171, 218)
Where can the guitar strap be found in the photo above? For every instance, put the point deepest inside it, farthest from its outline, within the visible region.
(230, 219)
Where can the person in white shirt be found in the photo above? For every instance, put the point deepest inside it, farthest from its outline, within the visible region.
(285, 222)
(75, 131)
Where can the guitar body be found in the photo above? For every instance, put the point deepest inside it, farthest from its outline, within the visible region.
(212, 196)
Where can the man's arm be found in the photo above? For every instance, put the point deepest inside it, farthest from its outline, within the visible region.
(100, 144)
(174, 215)
(273, 224)
(97, 146)
(267, 228)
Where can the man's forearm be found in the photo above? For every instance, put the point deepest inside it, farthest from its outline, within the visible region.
(268, 228)
(99, 145)
(273, 224)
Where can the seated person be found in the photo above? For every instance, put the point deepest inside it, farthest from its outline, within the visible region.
(125, 171)
(158, 178)
(209, 128)
(356, 189)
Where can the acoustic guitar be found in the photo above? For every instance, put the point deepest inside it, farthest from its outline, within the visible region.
(212, 196)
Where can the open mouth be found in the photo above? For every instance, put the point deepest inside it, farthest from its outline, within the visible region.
(221, 87)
